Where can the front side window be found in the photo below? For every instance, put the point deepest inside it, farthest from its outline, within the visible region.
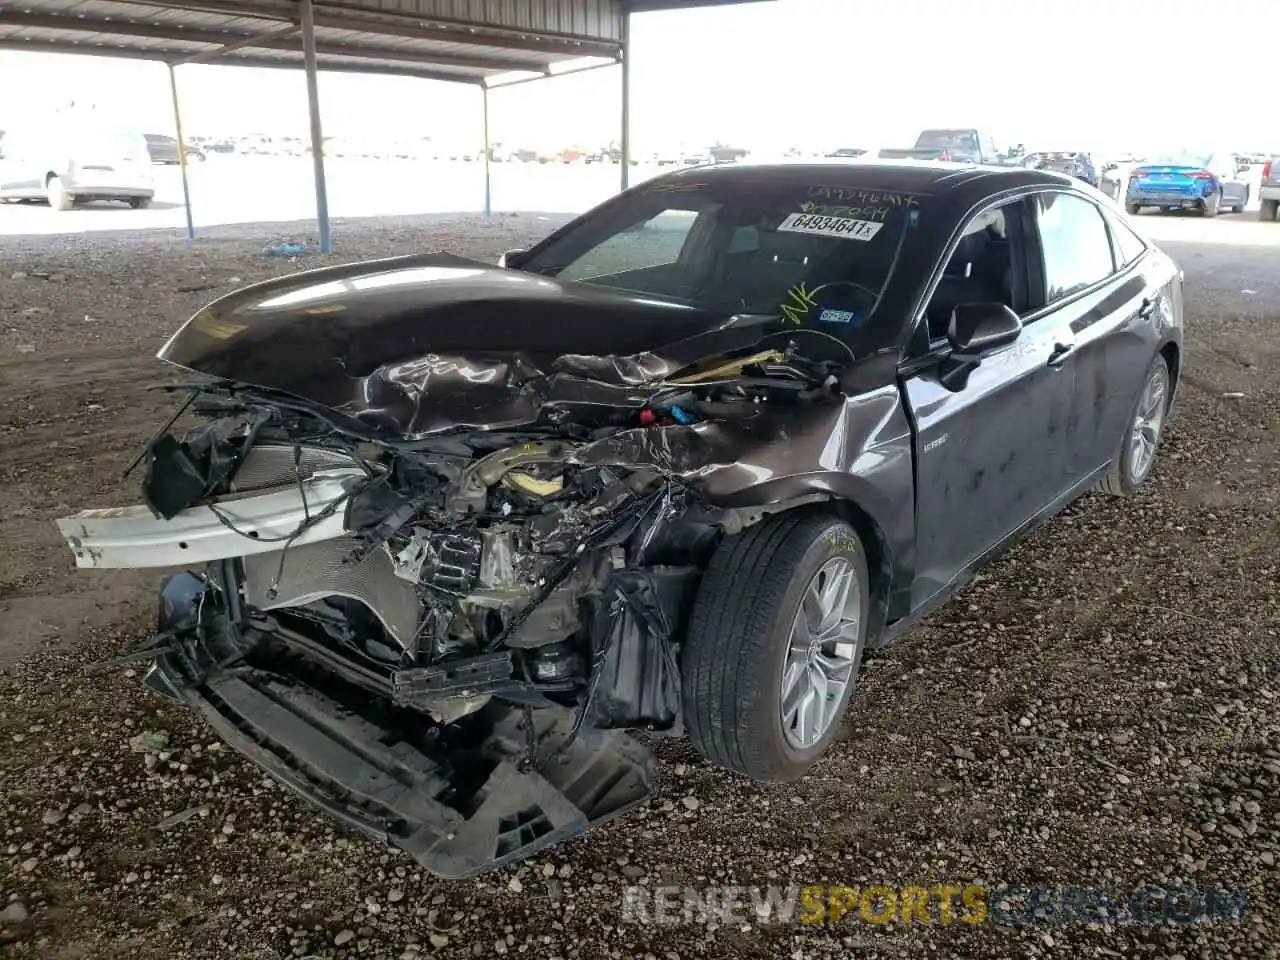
(981, 269)
(806, 253)
(1073, 237)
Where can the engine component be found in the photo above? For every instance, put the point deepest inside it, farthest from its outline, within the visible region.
(448, 562)
(472, 489)
(533, 486)
(452, 709)
(497, 559)
(556, 661)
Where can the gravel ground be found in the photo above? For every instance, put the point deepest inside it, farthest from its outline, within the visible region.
(1100, 708)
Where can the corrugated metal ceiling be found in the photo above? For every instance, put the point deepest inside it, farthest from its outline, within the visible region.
(461, 40)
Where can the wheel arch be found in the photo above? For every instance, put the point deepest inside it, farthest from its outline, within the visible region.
(1172, 354)
(855, 501)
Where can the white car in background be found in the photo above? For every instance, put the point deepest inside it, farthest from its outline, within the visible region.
(66, 163)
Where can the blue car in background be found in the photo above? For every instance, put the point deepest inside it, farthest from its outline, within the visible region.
(1207, 183)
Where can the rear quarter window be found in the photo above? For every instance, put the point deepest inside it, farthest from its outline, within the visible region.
(1128, 245)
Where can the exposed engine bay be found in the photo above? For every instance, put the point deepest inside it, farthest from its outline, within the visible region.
(439, 635)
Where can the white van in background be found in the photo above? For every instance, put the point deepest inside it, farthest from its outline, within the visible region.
(68, 163)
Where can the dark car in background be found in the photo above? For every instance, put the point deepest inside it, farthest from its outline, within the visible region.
(164, 149)
(959, 145)
(753, 421)
(1073, 163)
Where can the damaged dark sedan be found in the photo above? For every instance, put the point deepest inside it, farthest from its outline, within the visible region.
(454, 530)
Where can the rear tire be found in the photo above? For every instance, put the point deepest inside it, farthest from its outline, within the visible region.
(1211, 205)
(1244, 202)
(746, 638)
(1132, 209)
(58, 198)
(1129, 471)
(1268, 210)
(139, 203)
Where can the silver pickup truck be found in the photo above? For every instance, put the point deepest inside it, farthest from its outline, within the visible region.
(1269, 189)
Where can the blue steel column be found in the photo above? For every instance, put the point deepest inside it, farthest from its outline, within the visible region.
(625, 143)
(317, 137)
(488, 150)
(182, 151)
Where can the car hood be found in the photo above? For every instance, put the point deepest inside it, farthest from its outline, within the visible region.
(417, 344)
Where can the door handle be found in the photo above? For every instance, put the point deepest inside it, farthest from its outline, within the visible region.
(1147, 309)
(1060, 353)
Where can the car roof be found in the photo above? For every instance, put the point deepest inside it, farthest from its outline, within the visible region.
(964, 183)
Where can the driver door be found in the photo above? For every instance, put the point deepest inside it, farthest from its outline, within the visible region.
(990, 455)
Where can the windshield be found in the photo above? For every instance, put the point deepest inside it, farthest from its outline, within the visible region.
(806, 252)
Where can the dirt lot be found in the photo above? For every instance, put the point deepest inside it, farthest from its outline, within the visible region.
(1099, 709)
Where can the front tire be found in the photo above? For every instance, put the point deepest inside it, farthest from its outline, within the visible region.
(774, 644)
(1144, 428)
(139, 203)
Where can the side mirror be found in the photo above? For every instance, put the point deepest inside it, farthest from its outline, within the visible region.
(512, 259)
(977, 328)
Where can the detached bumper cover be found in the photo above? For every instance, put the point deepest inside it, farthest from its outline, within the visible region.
(394, 794)
(375, 781)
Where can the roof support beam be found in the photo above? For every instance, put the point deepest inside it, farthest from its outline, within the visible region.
(548, 75)
(263, 10)
(371, 69)
(124, 28)
(237, 45)
(82, 49)
(230, 60)
(317, 136)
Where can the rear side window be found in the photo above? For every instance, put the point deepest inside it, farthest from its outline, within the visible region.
(1077, 250)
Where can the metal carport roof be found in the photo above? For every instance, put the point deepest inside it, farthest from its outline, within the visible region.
(458, 40)
(467, 41)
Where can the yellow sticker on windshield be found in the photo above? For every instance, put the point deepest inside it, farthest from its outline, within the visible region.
(798, 303)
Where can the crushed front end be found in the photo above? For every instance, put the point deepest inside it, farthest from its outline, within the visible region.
(440, 640)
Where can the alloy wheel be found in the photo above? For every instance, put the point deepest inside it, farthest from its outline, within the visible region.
(822, 652)
(1147, 424)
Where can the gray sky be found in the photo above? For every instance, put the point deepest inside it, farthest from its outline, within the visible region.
(809, 73)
